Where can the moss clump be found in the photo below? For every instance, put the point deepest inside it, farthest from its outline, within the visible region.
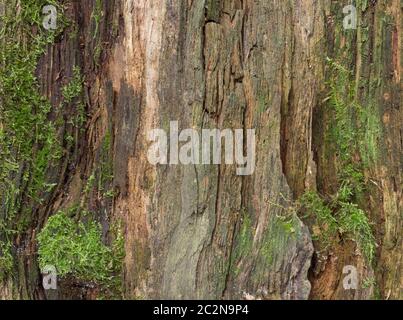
(314, 204)
(354, 222)
(77, 249)
(343, 217)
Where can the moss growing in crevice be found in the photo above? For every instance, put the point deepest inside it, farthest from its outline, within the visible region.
(353, 138)
(96, 17)
(356, 128)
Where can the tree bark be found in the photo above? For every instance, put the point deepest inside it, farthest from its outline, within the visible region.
(202, 232)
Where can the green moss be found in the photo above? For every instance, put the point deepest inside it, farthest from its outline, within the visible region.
(97, 14)
(362, 4)
(96, 17)
(74, 88)
(354, 221)
(6, 259)
(28, 140)
(354, 135)
(77, 249)
(356, 128)
(341, 216)
(328, 224)
(368, 283)
(73, 94)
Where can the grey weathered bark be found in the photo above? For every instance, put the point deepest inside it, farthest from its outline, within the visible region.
(202, 231)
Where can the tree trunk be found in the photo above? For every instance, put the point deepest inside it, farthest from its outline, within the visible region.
(325, 104)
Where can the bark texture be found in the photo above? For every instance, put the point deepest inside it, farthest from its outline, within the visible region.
(202, 232)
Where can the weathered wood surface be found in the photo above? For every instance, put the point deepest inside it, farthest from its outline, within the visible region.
(202, 231)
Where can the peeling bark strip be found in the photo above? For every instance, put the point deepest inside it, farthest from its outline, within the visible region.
(201, 231)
